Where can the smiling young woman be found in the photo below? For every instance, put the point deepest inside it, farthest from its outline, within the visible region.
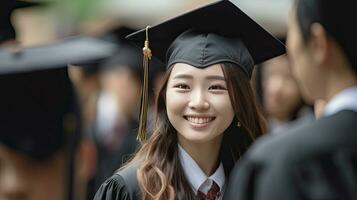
(198, 112)
(206, 114)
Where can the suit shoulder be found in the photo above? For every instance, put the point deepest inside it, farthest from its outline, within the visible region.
(308, 138)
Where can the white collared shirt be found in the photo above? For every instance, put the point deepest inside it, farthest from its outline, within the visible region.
(197, 178)
(344, 100)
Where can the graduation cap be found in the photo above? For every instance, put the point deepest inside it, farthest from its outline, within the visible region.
(216, 33)
(37, 104)
(7, 31)
(34, 109)
(39, 113)
(76, 50)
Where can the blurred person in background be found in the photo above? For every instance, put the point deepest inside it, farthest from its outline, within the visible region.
(86, 81)
(119, 102)
(87, 84)
(43, 154)
(281, 97)
(315, 160)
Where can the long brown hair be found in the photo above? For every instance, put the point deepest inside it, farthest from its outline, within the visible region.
(160, 174)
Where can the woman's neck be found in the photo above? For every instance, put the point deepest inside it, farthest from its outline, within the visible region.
(205, 154)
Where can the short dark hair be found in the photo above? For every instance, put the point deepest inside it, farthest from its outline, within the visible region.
(335, 17)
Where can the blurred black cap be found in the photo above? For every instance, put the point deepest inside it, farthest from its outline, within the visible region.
(77, 50)
(38, 106)
(38, 111)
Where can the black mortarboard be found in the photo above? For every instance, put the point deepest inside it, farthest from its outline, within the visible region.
(37, 104)
(216, 33)
(7, 30)
(77, 50)
(34, 108)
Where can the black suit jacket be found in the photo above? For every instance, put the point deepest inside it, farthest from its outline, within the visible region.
(316, 161)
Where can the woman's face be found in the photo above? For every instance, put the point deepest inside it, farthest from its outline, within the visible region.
(198, 103)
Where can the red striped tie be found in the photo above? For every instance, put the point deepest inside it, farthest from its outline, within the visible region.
(212, 194)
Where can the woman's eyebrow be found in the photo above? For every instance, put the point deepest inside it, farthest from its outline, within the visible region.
(183, 76)
(215, 77)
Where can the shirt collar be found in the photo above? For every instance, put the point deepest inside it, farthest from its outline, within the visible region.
(194, 174)
(344, 100)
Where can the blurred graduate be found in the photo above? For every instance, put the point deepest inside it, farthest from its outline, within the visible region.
(42, 152)
(118, 104)
(315, 160)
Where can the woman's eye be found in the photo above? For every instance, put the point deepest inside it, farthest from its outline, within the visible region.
(182, 86)
(217, 87)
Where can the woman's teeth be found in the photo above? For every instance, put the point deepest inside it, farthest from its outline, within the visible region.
(199, 120)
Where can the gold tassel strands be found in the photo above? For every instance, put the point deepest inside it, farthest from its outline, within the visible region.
(144, 91)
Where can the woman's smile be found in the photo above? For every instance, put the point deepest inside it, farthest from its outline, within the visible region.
(199, 121)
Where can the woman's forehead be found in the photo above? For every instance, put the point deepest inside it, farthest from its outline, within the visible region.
(183, 70)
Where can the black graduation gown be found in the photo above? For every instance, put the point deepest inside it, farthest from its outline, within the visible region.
(316, 161)
(123, 185)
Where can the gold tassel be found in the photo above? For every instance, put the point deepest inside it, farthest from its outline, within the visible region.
(144, 91)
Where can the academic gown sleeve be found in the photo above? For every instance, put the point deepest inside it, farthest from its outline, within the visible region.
(123, 185)
(113, 189)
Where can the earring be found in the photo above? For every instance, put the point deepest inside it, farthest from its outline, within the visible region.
(238, 124)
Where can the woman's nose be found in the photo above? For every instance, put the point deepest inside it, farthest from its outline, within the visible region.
(198, 100)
